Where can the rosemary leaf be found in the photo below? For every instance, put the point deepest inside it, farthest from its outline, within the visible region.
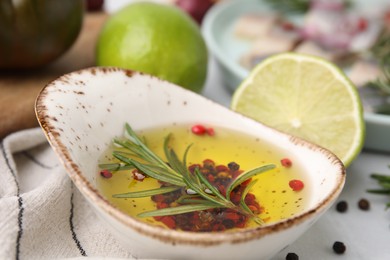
(175, 163)
(380, 177)
(146, 193)
(245, 192)
(247, 175)
(385, 192)
(208, 185)
(185, 154)
(257, 219)
(381, 48)
(384, 181)
(148, 171)
(143, 148)
(177, 210)
(385, 184)
(115, 166)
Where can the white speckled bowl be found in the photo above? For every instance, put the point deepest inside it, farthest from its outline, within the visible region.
(82, 111)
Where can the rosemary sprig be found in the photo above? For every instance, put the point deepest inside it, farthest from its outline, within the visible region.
(381, 48)
(384, 181)
(135, 154)
(380, 51)
(383, 83)
(382, 86)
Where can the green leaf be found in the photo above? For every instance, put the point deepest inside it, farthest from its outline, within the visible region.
(256, 218)
(115, 166)
(147, 154)
(381, 177)
(185, 155)
(148, 171)
(214, 190)
(385, 184)
(146, 193)
(384, 192)
(244, 193)
(247, 175)
(176, 210)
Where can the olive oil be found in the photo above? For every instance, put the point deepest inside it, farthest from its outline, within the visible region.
(223, 146)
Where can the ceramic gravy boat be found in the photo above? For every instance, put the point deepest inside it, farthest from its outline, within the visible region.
(81, 112)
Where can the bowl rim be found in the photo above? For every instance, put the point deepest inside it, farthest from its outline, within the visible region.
(207, 29)
(167, 235)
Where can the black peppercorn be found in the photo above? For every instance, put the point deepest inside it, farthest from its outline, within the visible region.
(342, 206)
(364, 204)
(292, 256)
(233, 166)
(339, 247)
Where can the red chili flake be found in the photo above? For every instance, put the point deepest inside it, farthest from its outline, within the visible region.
(233, 216)
(198, 129)
(106, 174)
(286, 162)
(222, 190)
(221, 168)
(158, 218)
(235, 197)
(254, 209)
(162, 205)
(296, 185)
(192, 167)
(158, 198)
(137, 175)
(249, 198)
(168, 221)
(210, 178)
(210, 131)
(245, 183)
(208, 163)
(362, 24)
(235, 174)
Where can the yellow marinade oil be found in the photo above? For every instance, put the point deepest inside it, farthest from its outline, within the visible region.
(272, 189)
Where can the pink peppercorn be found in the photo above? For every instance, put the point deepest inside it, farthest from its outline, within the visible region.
(286, 162)
(296, 185)
(106, 174)
(198, 129)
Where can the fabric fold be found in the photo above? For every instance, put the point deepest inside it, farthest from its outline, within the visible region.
(43, 214)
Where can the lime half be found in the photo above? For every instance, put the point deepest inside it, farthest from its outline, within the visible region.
(308, 97)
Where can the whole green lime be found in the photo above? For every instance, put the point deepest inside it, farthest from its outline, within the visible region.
(157, 39)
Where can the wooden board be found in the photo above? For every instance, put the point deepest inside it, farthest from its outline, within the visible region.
(18, 90)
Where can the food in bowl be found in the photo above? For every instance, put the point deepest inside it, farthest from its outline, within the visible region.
(356, 40)
(199, 184)
(81, 112)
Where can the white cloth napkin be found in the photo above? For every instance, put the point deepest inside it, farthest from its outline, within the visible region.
(42, 214)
